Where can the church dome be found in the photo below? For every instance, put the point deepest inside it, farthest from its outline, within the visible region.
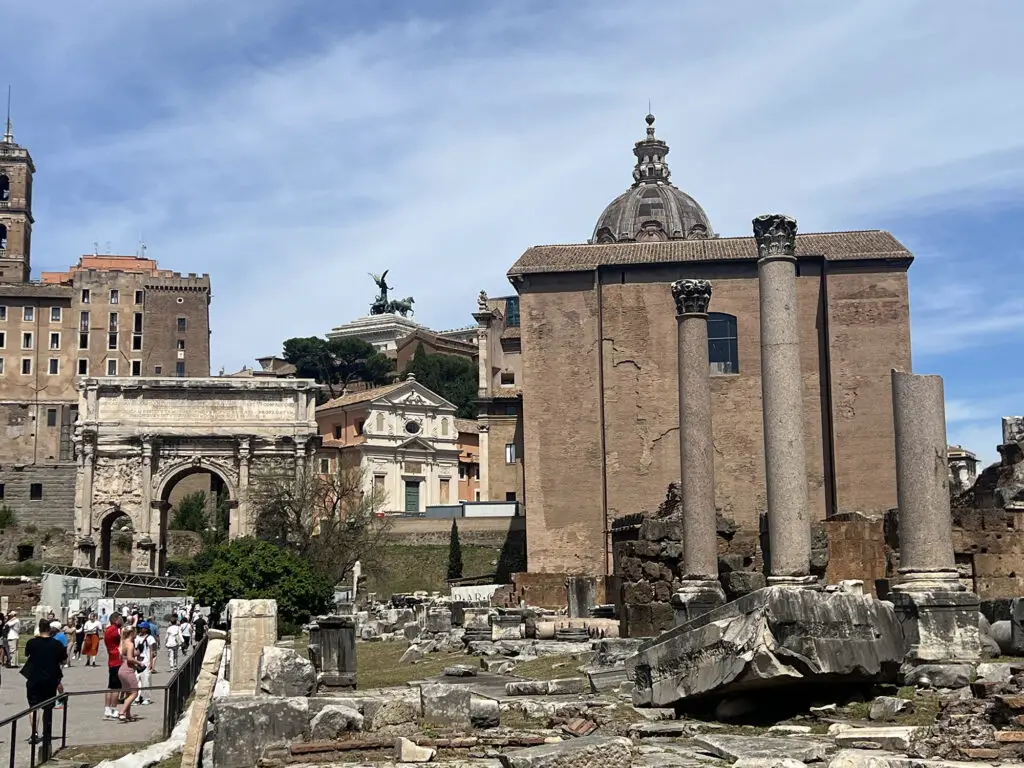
(653, 208)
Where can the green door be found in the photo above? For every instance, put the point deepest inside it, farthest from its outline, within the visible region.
(412, 495)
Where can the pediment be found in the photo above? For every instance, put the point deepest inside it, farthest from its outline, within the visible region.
(417, 444)
(412, 394)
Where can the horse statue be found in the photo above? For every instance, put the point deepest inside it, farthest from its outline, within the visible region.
(381, 305)
(401, 307)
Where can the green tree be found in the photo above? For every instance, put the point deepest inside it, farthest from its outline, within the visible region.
(453, 378)
(454, 553)
(336, 363)
(251, 569)
(190, 514)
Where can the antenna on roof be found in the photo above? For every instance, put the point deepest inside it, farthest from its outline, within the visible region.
(9, 131)
(95, 248)
(140, 252)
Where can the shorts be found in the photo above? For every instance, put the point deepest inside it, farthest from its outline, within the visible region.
(113, 681)
(40, 692)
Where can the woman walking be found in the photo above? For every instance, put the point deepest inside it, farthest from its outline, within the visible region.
(127, 674)
(91, 646)
(79, 636)
(42, 671)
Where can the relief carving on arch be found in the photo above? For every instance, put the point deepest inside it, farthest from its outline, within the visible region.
(117, 484)
(169, 469)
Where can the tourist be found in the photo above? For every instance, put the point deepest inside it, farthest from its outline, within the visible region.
(13, 635)
(104, 619)
(127, 674)
(79, 635)
(5, 649)
(42, 671)
(112, 642)
(154, 630)
(173, 643)
(91, 646)
(145, 652)
(199, 628)
(186, 635)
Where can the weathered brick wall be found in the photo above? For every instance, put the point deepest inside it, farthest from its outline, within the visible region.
(22, 596)
(856, 549)
(503, 429)
(56, 508)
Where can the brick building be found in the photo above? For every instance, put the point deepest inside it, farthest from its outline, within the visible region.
(597, 370)
(105, 316)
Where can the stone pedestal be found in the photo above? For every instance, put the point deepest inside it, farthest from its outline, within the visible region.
(477, 624)
(253, 625)
(335, 661)
(695, 597)
(439, 620)
(939, 617)
(582, 595)
(789, 521)
(506, 626)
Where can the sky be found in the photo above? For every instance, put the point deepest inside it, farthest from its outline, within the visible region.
(289, 148)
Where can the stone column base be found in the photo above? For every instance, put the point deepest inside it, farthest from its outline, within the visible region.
(695, 598)
(802, 582)
(940, 626)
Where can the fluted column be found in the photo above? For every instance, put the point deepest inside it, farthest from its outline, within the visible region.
(85, 552)
(147, 484)
(240, 525)
(700, 591)
(789, 522)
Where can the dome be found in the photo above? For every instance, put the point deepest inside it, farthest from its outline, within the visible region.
(653, 208)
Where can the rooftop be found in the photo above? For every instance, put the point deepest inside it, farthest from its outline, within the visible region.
(360, 397)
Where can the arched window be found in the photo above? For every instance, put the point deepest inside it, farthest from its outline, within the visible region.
(3, 237)
(5, 188)
(723, 350)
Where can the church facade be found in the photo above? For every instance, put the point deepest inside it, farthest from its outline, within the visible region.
(599, 378)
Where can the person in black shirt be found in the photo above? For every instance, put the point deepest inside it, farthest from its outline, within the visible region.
(45, 655)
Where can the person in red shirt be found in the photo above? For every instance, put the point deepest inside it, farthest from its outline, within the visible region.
(112, 641)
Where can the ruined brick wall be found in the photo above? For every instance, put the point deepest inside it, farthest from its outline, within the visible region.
(56, 484)
(22, 596)
(856, 549)
(989, 549)
(503, 429)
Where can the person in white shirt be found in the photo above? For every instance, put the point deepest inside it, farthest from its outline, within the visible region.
(186, 635)
(173, 643)
(93, 634)
(145, 648)
(13, 634)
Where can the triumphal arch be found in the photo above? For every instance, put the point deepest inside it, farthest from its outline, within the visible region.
(137, 438)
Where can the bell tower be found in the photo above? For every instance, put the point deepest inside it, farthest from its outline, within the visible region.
(16, 170)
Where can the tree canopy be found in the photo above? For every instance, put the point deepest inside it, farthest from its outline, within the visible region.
(338, 362)
(453, 378)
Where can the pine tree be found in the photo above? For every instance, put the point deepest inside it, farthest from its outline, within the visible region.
(454, 553)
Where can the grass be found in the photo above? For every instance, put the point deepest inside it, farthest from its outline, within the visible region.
(408, 568)
(552, 667)
(93, 754)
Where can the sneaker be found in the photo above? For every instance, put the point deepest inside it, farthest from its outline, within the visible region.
(109, 714)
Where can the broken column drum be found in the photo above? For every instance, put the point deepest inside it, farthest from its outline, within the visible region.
(789, 522)
(939, 616)
(334, 657)
(700, 591)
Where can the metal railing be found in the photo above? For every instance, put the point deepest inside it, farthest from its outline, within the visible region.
(42, 740)
(119, 578)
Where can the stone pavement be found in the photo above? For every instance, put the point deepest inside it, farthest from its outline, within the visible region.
(85, 725)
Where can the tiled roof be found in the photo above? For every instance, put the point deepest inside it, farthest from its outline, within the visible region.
(360, 397)
(35, 290)
(467, 425)
(834, 246)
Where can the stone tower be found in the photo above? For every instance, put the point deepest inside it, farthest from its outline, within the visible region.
(16, 170)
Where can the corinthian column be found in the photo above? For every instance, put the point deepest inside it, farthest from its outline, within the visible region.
(240, 524)
(700, 591)
(789, 521)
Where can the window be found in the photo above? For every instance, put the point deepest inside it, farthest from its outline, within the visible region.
(181, 325)
(138, 322)
(3, 313)
(359, 426)
(54, 314)
(35, 491)
(111, 367)
(83, 341)
(511, 410)
(26, 366)
(83, 367)
(3, 339)
(510, 495)
(55, 340)
(512, 311)
(85, 295)
(83, 322)
(1, 491)
(378, 485)
(157, 370)
(136, 367)
(444, 427)
(476, 495)
(26, 340)
(5, 193)
(28, 314)
(54, 368)
(337, 432)
(325, 466)
(412, 427)
(112, 322)
(723, 351)
(113, 295)
(3, 237)
(445, 483)
(380, 423)
(181, 343)
(510, 453)
(462, 471)
(1, 366)
(139, 297)
(179, 369)
(111, 341)
(508, 379)
(51, 417)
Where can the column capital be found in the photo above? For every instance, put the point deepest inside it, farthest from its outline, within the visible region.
(692, 297)
(775, 235)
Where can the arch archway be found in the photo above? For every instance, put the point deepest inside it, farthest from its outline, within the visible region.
(116, 537)
(196, 497)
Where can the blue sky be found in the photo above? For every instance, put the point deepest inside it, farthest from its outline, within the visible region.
(288, 148)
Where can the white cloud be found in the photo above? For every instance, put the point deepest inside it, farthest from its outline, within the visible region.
(442, 147)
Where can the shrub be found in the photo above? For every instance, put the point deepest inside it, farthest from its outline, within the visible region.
(7, 517)
(454, 553)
